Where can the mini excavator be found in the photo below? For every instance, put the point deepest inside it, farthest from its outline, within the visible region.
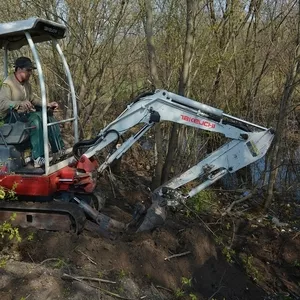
(62, 196)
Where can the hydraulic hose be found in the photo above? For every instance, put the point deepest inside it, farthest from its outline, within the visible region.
(144, 94)
(92, 142)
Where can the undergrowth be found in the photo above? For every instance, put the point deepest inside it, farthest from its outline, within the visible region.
(8, 194)
(9, 231)
(203, 201)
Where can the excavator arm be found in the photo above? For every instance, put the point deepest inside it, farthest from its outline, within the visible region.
(248, 142)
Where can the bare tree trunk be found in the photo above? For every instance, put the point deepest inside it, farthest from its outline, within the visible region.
(183, 82)
(289, 87)
(148, 27)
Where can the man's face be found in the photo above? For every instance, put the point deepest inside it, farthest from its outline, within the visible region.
(25, 73)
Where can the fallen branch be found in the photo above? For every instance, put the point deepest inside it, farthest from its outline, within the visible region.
(227, 211)
(30, 257)
(112, 180)
(216, 292)
(296, 235)
(49, 259)
(233, 233)
(164, 288)
(69, 277)
(88, 257)
(178, 255)
(156, 292)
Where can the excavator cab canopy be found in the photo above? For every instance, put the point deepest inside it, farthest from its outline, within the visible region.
(12, 35)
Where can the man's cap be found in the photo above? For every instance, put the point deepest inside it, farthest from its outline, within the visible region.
(24, 62)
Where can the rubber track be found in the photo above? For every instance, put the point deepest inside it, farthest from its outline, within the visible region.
(73, 210)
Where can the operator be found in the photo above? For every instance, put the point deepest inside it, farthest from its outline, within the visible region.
(18, 102)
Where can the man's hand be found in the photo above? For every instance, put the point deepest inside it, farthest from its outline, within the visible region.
(25, 106)
(53, 105)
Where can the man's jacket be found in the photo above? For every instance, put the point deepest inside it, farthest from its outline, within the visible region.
(12, 93)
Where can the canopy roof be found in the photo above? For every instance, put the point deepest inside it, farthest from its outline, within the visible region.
(12, 34)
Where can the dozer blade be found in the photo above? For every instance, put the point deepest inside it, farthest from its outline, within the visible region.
(56, 216)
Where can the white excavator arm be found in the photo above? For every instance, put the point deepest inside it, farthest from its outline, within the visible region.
(247, 143)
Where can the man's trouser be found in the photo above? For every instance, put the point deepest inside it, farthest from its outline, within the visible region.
(34, 119)
(37, 138)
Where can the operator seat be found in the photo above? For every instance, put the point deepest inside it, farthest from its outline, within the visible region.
(14, 140)
(14, 133)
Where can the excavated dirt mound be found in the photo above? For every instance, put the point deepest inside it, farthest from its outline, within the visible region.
(141, 260)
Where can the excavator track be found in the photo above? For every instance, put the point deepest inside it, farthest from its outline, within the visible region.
(56, 216)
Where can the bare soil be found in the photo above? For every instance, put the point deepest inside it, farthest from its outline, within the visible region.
(227, 257)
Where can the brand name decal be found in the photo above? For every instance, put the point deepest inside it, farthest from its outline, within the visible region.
(198, 121)
(50, 29)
